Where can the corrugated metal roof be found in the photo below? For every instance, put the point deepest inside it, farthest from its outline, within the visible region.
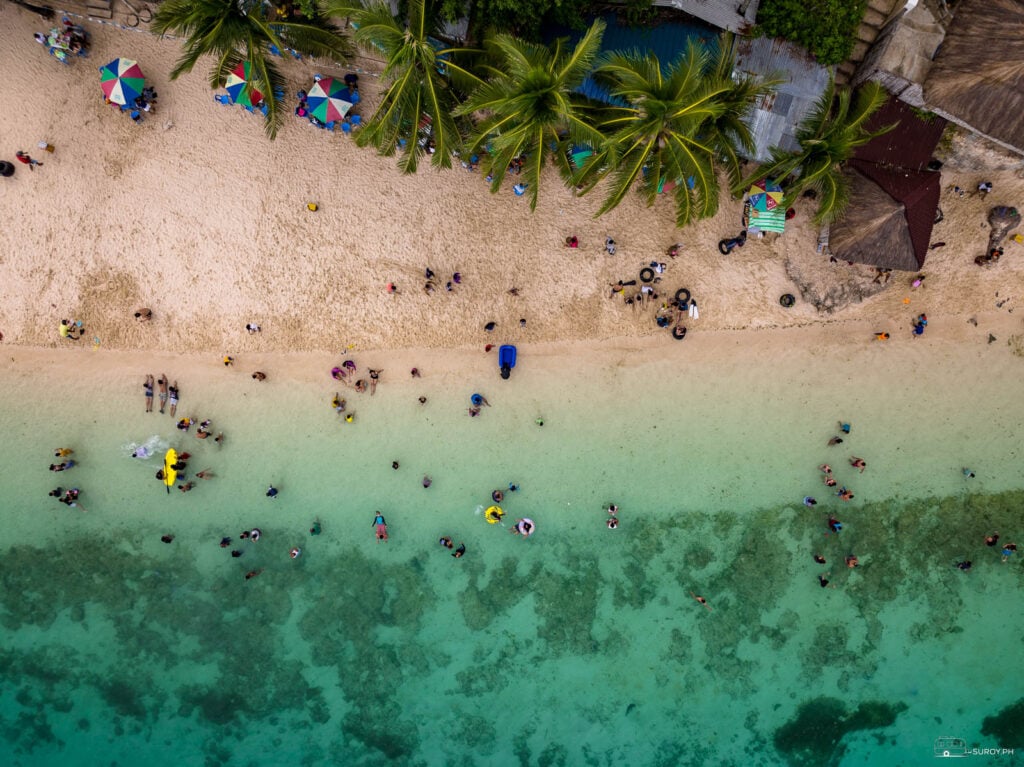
(773, 121)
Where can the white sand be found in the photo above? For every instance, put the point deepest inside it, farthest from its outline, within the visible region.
(198, 216)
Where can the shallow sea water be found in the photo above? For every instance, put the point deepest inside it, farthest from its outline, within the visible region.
(579, 646)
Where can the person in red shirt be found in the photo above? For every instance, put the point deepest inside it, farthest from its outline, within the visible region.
(25, 158)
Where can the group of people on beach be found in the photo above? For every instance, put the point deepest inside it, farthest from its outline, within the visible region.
(65, 41)
(167, 393)
(430, 286)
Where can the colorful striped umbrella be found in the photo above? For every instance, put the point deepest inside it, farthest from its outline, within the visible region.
(765, 195)
(326, 100)
(239, 89)
(122, 81)
(767, 213)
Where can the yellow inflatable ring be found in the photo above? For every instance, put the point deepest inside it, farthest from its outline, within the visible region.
(493, 515)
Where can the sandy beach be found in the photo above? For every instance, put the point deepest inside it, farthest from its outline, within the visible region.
(196, 215)
(131, 635)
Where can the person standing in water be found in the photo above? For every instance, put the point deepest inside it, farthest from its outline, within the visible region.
(147, 389)
(173, 391)
(162, 383)
(381, 527)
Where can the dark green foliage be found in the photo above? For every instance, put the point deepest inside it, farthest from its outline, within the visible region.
(680, 121)
(827, 28)
(1007, 726)
(414, 115)
(525, 18)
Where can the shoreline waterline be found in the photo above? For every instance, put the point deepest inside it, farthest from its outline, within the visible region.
(565, 647)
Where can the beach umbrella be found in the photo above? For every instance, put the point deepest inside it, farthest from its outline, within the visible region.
(767, 212)
(239, 88)
(765, 195)
(327, 100)
(122, 81)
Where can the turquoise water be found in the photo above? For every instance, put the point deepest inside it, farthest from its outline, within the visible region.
(580, 645)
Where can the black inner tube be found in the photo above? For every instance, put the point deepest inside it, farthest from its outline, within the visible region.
(682, 297)
(646, 274)
(787, 300)
(723, 247)
(679, 332)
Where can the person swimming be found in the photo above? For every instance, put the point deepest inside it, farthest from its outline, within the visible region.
(446, 542)
(459, 551)
(316, 529)
(497, 496)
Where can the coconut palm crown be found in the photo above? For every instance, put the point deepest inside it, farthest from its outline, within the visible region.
(828, 137)
(528, 106)
(415, 111)
(671, 123)
(233, 31)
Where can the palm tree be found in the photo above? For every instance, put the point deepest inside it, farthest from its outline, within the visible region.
(673, 123)
(415, 111)
(529, 106)
(828, 137)
(233, 31)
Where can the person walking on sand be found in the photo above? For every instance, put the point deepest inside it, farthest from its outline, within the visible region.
(858, 463)
(25, 158)
(173, 393)
(374, 377)
(702, 600)
(162, 383)
(147, 389)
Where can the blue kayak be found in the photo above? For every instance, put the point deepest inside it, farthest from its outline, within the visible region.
(506, 359)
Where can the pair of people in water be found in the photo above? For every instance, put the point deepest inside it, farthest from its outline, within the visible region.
(446, 542)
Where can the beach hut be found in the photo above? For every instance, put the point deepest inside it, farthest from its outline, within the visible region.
(889, 220)
(977, 76)
(893, 194)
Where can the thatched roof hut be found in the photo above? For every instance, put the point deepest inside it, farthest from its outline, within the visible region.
(893, 198)
(977, 76)
(876, 228)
